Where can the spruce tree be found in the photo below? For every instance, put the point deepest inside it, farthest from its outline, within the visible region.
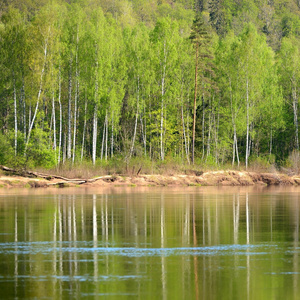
(200, 39)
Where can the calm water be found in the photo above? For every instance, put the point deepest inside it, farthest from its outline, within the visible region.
(192, 243)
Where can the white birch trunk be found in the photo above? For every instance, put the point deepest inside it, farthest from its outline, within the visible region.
(69, 148)
(162, 155)
(54, 123)
(247, 120)
(188, 133)
(15, 114)
(76, 98)
(136, 116)
(64, 147)
(143, 135)
(60, 118)
(84, 128)
(112, 136)
(29, 116)
(217, 123)
(95, 123)
(271, 141)
(134, 133)
(31, 122)
(103, 138)
(295, 110)
(106, 136)
(75, 121)
(209, 133)
(236, 146)
(203, 127)
(24, 108)
(195, 105)
(233, 117)
(184, 136)
(161, 128)
(33, 118)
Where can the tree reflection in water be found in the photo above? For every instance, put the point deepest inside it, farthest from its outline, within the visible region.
(181, 244)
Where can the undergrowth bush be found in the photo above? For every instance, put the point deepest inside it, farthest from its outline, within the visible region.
(292, 163)
(262, 163)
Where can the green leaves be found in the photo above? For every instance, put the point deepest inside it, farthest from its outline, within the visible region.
(121, 76)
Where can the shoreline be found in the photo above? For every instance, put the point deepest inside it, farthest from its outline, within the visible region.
(211, 178)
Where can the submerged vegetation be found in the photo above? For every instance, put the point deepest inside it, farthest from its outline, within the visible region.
(126, 84)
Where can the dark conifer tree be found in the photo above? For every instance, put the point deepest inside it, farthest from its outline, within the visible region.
(201, 40)
(217, 16)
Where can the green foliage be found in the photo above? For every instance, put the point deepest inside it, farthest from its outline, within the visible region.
(115, 80)
(38, 151)
(6, 150)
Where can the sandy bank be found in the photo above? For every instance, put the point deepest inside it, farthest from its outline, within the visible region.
(212, 178)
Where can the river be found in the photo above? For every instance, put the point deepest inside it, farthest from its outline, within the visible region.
(150, 243)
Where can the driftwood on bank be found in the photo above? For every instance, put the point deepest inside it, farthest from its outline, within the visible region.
(49, 177)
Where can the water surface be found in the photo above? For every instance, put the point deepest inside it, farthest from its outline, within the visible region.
(187, 243)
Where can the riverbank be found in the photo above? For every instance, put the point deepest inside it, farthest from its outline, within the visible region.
(211, 178)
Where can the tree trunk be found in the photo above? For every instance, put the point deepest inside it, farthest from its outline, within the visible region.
(203, 127)
(23, 105)
(106, 136)
(161, 125)
(31, 122)
(64, 147)
(29, 115)
(60, 118)
(75, 120)
(217, 124)
(15, 114)
(195, 103)
(134, 133)
(69, 150)
(54, 124)
(162, 154)
(143, 135)
(209, 132)
(184, 136)
(295, 110)
(76, 98)
(103, 138)
(84, 128)
(112, 136)
(235, 146)
(271, 141)
(136, 117)
(233, 118)
(247, 120)
(95, 122)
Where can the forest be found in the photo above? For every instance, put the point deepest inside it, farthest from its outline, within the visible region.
(206, 82)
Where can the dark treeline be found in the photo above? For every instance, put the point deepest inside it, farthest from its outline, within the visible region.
(211, 82)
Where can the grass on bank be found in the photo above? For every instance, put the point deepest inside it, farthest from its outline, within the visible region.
(170, 166)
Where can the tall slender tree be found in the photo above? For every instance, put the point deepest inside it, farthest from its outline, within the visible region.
(200, 39)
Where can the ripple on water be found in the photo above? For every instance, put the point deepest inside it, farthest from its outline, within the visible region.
(88, 247)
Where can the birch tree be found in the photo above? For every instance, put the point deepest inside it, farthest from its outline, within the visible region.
(251, 54)
(164, 56)
(137, 44)
(43, 35)
(15, 51)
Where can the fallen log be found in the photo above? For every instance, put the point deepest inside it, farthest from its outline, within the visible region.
(24, 173)
(61, 183)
